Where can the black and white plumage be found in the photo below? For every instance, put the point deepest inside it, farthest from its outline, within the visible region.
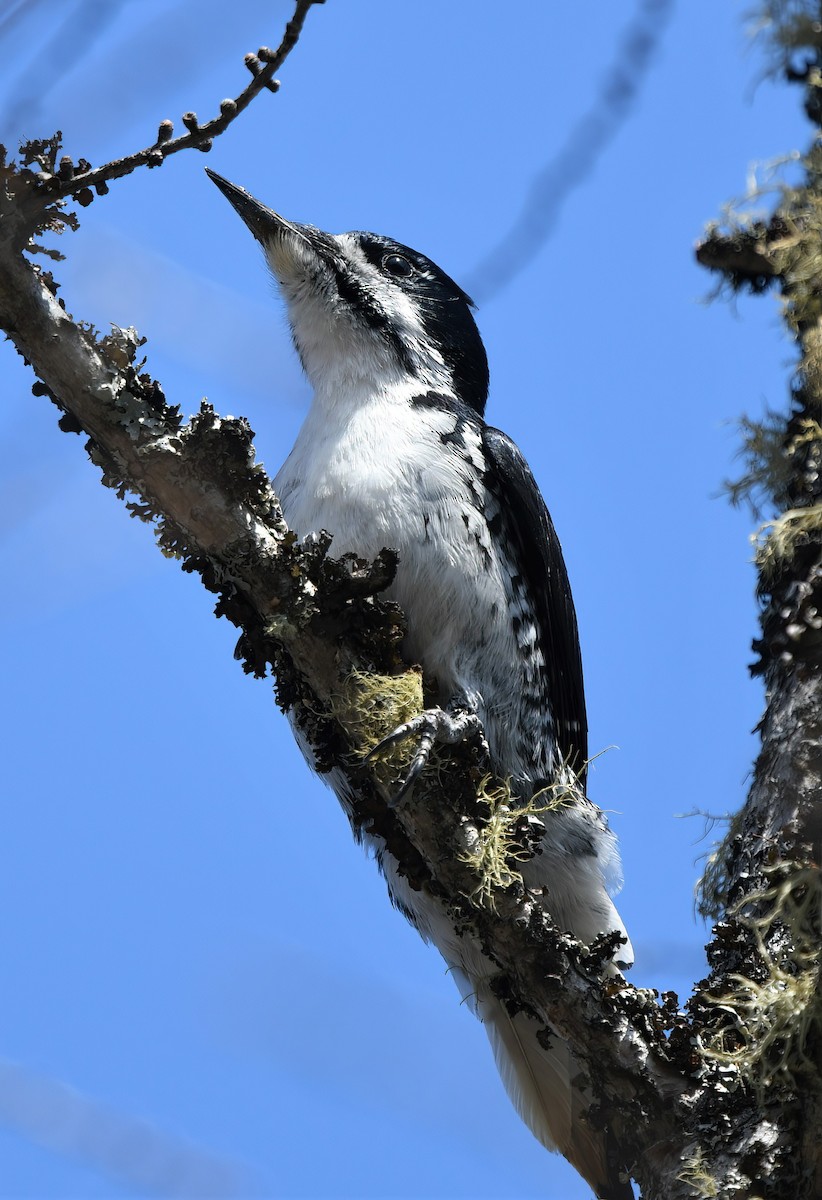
(395, 452)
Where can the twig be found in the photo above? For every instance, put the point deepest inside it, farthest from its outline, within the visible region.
(262, 65)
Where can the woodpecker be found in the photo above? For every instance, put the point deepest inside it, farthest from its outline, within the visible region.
(395, 452)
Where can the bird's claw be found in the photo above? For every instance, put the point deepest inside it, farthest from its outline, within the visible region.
(445, 725)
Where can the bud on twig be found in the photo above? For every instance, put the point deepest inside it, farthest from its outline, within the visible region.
(190, 121)
(165, 131)
(255, 67)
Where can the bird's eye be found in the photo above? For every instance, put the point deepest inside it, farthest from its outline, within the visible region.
(395, 264)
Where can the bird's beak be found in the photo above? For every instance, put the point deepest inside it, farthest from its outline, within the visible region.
(264, 223)
(294, 252)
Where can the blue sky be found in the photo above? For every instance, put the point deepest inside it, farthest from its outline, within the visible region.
(197, 995)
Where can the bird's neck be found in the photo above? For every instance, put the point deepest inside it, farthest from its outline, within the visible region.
(350, 394)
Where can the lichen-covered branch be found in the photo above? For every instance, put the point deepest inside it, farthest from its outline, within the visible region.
(764, 882)
(320, 625)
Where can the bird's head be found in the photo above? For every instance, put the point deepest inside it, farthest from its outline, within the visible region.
(364, 307)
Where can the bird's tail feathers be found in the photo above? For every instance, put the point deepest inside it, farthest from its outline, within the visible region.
(538, 1079)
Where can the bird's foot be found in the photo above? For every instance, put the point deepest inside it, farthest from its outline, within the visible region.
(445, 725)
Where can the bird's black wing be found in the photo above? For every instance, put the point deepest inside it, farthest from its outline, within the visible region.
(546, 578)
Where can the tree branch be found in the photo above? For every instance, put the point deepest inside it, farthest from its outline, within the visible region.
(66, 179)
(317, 622)
(743, 256)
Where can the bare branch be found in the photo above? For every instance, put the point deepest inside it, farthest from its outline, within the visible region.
(70, 181)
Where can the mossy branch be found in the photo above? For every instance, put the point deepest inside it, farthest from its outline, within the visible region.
(334, 647)
(759, 1006)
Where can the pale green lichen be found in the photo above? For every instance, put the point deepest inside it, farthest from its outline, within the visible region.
(776, 541)
(766, 468)
(696, 1176)
(369, 707)
(771, 1020)
(498, 844)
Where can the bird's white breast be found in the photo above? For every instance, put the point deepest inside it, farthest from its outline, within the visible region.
(377, 472)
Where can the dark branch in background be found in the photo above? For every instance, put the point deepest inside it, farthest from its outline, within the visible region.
(132, 1151)
(14, 13)
(77, 180)
(578, 157)
(71, 37)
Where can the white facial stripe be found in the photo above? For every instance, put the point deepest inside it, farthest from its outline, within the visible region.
(397, 306)
(400, 310)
